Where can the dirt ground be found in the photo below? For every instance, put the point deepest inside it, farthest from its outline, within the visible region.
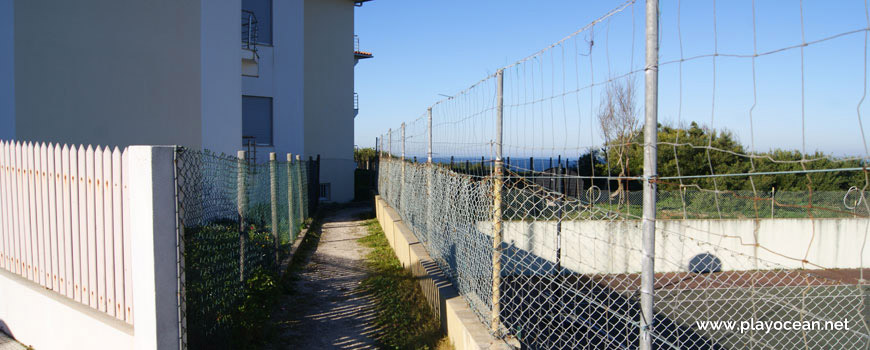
(326, 309)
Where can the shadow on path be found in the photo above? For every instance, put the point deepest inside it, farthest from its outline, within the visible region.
(325, 308)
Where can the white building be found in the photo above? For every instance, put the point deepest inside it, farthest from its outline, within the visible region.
(125, 72)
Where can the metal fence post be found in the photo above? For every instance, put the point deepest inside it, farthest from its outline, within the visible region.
(302, 203)
(772, 200)
(291, 220)
(496, 207)
(242, 205)
(402, 184)
(273, 189)
(429, 131)
(649, 173)
(390, 142)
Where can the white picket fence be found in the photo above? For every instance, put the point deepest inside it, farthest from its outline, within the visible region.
(64, 222)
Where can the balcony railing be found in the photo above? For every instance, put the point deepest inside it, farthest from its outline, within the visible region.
(355, 101)
(356, 50)
(250, 30)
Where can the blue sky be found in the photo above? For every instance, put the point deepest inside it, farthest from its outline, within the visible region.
(423, 49)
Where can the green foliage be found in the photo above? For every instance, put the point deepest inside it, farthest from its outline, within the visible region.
(222, 310)
(702, 151)
(360, 155)
(402, 311)
(252, 317)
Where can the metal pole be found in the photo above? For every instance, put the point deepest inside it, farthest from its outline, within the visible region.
(273, 189)
(650, 136)
(496, 206)
(402, 184)
(299, 193)
(560, 189)
(390, 144)
(429, 115)
(291, 220)
(772, 200)
(241, 206)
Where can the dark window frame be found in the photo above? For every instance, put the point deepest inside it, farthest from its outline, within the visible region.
(271, 120)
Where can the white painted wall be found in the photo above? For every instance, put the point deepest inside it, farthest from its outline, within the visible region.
(281, 78)
(221, 76)
(329, 92)
(7, 70)
(600, 246)
(288, 72)
(115, 72)
(46, 320)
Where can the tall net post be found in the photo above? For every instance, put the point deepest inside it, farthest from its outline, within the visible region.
(291, 217)
(429, 132)
(241, 203)
(497, 205)
(402, 184)
(300, 193)
(273, 195)
(649, 172)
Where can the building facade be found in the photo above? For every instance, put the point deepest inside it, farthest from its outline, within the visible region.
(127, 72)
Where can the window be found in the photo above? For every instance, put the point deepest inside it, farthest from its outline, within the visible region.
(257, 120)
(262, 10)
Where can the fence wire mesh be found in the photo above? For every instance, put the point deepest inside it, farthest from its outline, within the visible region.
(761, 213)
(227, 208)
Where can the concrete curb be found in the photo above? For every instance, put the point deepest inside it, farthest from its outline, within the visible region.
(462, 326)
(295, 247)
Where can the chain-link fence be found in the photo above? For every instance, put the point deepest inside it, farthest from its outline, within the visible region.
(570, 267)
(231, 211)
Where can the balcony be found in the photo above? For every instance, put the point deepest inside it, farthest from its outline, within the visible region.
(355, 104)
(357, 53)
(250, 30)
(250, 58)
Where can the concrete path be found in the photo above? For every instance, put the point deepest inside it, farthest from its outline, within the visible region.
(326, 309)
(6, 343)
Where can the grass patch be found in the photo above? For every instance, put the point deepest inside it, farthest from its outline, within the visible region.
(402, 311)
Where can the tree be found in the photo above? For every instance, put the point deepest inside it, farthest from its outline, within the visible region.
(364, 156)
(618, 119)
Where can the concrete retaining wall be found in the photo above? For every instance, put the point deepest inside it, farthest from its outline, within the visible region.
(463, 327)
(601, 246)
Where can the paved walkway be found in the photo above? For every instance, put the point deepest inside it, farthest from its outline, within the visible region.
(7, 343)
(326, 309)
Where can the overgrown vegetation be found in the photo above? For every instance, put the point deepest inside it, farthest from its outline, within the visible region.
(222, 310)
(402, 312)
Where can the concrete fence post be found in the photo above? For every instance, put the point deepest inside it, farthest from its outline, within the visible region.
(155, 257)
(291, 219)
(273, 189)
(242, 206)
(498, 182)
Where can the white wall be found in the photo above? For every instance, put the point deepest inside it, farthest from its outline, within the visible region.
(280, 77)
(7, 70)
(329, 92)
(601, 246)
(115, 72)
(221, 76)
(47, 320)
(288, 84)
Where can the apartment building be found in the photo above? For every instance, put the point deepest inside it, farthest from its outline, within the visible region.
(126, 72)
